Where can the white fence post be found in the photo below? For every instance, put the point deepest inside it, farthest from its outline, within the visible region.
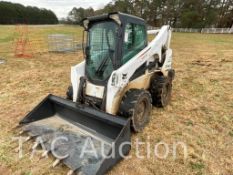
(205, 30)
(201, 30)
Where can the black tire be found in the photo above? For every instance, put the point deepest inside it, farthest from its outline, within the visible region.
(161, 89)
(69, 93)
(137, 105)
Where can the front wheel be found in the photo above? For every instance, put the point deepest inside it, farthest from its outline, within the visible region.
(136, 104)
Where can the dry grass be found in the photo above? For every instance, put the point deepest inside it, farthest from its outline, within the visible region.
(201, 112)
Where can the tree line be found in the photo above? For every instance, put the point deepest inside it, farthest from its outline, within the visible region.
(177, 13)
(13, 13)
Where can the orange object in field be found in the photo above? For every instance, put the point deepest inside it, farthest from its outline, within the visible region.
(22, 44)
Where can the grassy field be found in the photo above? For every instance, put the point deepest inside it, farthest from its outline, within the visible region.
(200, 115)
(37, 35)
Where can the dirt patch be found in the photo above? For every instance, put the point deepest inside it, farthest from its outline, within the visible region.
(2, 61)
(202, 63)
(226, 61)
(4, 170)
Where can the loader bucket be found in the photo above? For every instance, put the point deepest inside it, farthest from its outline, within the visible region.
(86, 140)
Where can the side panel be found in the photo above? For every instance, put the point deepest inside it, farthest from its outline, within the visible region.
(120, 78)
(142, 82)
(77, 72)
(168, 62)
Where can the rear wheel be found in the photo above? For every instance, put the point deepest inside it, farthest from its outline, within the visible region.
(161, 89)
(136, 104)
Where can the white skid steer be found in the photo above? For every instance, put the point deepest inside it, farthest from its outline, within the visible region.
(112, 93)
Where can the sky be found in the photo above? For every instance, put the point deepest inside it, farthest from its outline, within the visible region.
(62, 7)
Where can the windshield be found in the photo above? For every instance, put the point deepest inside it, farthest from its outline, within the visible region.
(100, 51)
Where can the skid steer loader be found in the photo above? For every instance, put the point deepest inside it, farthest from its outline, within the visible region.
(112, 93)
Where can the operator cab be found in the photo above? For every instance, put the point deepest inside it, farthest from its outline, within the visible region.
(111, 40)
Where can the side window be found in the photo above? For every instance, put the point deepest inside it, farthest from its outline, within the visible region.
(134, 41)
